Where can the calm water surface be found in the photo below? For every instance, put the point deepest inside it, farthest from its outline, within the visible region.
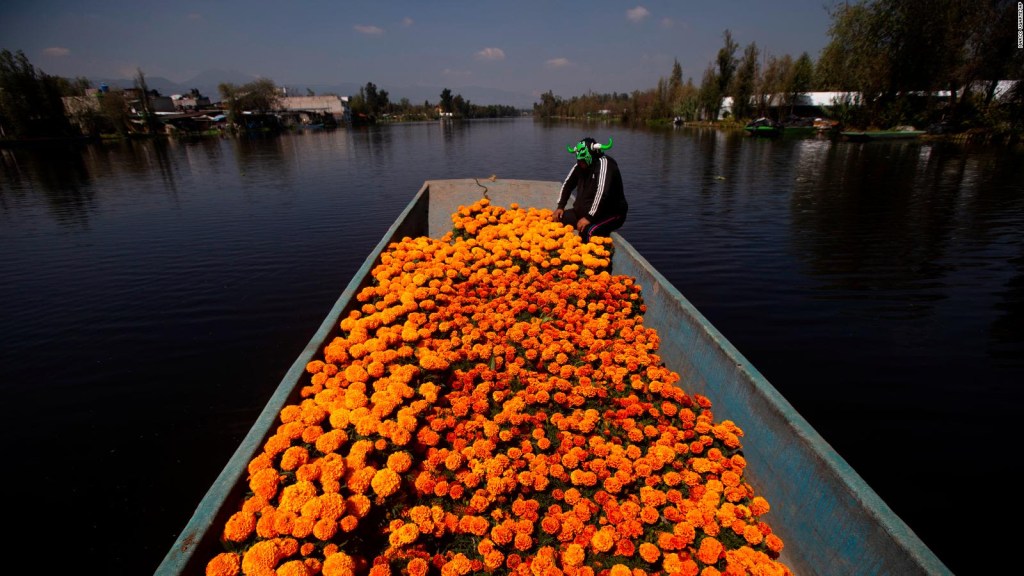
(153, 294)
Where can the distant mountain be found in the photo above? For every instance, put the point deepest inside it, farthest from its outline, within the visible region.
(208, 81)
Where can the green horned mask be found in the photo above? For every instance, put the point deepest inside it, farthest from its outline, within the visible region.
(584, 147)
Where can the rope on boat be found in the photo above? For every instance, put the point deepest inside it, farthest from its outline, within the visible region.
(492, 178)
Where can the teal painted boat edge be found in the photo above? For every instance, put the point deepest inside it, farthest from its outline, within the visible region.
(831, 520)
(200, 539)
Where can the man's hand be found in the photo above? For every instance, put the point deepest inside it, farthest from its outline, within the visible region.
(582, 223)
(557, 216)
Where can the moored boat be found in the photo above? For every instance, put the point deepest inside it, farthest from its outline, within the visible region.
(764, 127)
(831, 520)
(897, 133)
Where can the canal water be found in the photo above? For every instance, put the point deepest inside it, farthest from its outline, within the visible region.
(153, 294)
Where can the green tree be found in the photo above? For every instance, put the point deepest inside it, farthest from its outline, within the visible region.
(149, 121)
(675, 83)
(259, 97)
(726, 61)
(72, 86)
(446, 101)
(745, 83)
(771, 83)
(857, 58)
(798, 80)
(709, 97)
(30, 100)
(113, 113)
(548, 106)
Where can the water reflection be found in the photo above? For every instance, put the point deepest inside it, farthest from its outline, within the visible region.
(259, 155)
(59, 172)
(873, 284)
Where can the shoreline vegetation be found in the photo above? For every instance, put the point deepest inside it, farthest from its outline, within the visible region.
(882, 67)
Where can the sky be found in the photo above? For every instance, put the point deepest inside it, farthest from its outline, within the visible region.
(523, 47)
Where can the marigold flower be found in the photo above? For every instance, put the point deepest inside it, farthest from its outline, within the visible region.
(773, 542)
(523, 542)
(603, 540)
(459, 565)
(349, 523)
(239, 526)
(752, 535)
(710, 550)
(339, 564)
(649, 552)
(405, 535)
(224, 564)
(262, 558)
(417, 567)
(385, 482)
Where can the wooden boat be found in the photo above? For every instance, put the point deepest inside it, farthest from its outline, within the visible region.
(867, 135)
(831, 520)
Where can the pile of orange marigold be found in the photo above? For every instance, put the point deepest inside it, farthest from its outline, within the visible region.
(496, 405)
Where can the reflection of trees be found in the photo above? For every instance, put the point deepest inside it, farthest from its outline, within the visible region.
(866, 222)
(1006, 339)
(60, 174)
(258, 154)
(899, 227)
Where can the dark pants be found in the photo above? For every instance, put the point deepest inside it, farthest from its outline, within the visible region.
(602, 227)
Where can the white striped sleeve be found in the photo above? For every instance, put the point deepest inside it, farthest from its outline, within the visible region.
(601, 182)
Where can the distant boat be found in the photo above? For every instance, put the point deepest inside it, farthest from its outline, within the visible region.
(678, 120)
(897, 133)
(764, 127)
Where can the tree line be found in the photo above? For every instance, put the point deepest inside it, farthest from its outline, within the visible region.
(32, 104)
(896, 61)
(374, 102)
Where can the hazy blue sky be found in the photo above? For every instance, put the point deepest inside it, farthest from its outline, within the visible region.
(523, 46)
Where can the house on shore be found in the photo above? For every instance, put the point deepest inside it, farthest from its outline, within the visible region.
(306, 110)
(815, 104)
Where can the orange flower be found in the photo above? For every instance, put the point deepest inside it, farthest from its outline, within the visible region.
(339, 564)
(710, 550)
(523, 542)
(459, 565)
(263, 557)
(385, 482)
(752, 535)
(407, 534)
(759, 506)
(773, 542)
(417, 567)
(239, 527)
(399, 462)
(224, 564)
(649, 552)
(603, 539)
(325, 529)
(573, 555)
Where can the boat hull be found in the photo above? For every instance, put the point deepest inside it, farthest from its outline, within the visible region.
(831, 521)
(882, 135)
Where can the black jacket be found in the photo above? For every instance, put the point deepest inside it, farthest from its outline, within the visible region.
(599, 192)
